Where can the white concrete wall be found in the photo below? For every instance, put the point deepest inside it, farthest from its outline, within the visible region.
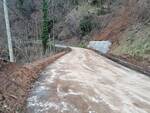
(101, 46)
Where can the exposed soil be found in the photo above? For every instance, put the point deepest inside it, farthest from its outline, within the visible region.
(116, 26)
(16, 80)
(123, 19)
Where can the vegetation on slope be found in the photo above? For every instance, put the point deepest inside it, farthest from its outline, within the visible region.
(135, 43)
(129, 31)
(45, 32)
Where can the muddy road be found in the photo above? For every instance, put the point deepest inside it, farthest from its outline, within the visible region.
(85, 82)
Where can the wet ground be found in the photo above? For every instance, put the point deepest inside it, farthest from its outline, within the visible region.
(85, 82)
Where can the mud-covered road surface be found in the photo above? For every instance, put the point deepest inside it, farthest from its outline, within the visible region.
(85, 82)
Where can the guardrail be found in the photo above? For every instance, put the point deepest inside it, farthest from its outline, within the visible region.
(125, 63)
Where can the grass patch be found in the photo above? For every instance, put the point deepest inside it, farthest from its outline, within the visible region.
(136, 44)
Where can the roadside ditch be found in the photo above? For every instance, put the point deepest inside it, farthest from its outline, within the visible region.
(16, 81)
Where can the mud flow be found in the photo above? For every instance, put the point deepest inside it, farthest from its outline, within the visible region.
(85, 82)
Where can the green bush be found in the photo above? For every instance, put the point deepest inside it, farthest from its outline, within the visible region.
(86, 25)
(95, 2)
(82, 45)
(98, 3)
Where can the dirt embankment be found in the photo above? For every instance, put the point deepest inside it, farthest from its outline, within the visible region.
(132, 14)
(120, 22)
(15, 82)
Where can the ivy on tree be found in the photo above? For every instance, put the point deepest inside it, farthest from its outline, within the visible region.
(45, 29)
(86, 25)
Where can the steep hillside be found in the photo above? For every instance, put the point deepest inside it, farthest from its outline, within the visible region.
(129, 32)
(125, 23)
(76, 22)
(26, 16)
(132, 12)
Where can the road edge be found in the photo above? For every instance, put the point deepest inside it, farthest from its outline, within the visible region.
(124, 63)
(13, 96)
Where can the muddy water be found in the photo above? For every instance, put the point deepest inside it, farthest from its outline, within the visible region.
(84, 82)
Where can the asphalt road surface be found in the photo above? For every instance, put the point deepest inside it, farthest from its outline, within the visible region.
(85, 82)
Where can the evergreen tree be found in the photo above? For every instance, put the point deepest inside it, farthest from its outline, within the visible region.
(45, 29)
